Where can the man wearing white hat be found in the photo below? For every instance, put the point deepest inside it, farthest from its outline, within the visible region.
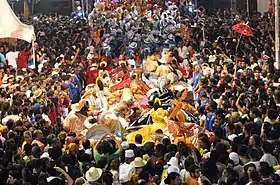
(126, 170)
(93, 175)
(172, 166)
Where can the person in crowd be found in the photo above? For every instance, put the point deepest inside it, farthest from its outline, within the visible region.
(143, 92)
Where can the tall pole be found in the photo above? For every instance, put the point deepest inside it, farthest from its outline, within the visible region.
(83, 7)
(25, 9)
(277, 62)
(248, 8)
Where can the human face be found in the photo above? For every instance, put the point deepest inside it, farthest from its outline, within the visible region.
(197, 173)
(197, 69)
(251, 141)
(28, 140)
(176, 181)
(251, 169)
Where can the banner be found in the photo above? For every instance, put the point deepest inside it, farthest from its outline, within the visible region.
(11, 27)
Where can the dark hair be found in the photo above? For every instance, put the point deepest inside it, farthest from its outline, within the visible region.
(161, 148)
(138, 138)
(107, 178)
(144, 175)
(86, 144)
(267, 147)
(104, 147)
(257, 139)
(193, 168)
(189, 161)
(265, 169)
(27, 149)
(101, 163)
(171, 148)
(171, 177)
(254, 175)
(166, 141)
(272, 114)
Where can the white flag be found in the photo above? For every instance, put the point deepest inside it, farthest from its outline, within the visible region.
(11, 27)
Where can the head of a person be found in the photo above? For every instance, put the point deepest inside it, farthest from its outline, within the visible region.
(173, 179)
(204, 143)
(138, 139)
(27, 135)
(107, 178)
(194, 171)
(249, 168)
(79, 181)
(265, 170)
(49, 139)
(139, 164)
(197, 68)
(104, 147)
(272, 114)
(267, 147)
(255, 154)
(129, 156)
(86, 144)
(160, 150)
(102, 163)
(255, 140)
(38, 135)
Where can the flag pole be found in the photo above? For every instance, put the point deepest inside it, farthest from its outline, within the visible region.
(33, 53)
(277, 62)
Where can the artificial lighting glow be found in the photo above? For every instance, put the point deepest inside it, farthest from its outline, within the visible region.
(190, 9)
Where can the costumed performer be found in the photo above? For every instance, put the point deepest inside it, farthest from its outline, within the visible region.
(159, 117)
(74, 122)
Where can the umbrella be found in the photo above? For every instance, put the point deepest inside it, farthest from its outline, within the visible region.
(243, 29)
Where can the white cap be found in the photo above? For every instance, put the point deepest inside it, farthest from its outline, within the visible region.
(125, 145)
(129, 153)
(45, 155)
(234, 157)
(232, 136)
(173, 161)
(173, 169)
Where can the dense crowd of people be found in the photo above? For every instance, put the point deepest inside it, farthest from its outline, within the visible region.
(141, 92)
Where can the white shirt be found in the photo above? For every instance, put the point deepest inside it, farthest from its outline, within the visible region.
(125, 172)
(46, 118)
(256, 163)
(183, 52)
(270, 159)
(12, 58)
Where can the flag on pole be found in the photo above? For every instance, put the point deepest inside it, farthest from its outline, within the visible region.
(25, 9)
(11, 27)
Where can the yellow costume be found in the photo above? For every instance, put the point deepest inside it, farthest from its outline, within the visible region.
(160, 120)
(151, 63)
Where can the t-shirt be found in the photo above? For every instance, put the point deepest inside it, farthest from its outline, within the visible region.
(270, 159)
(22, 59)
(39, 143)
(2, 60)
(12, 58)
(109, 157)
(191, 181)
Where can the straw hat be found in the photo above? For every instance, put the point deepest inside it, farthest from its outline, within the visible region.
(78, 106)
(93, 174)
(138, 162)
(19, 78)
(89, 122)
(38, 93)
(96, 131)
